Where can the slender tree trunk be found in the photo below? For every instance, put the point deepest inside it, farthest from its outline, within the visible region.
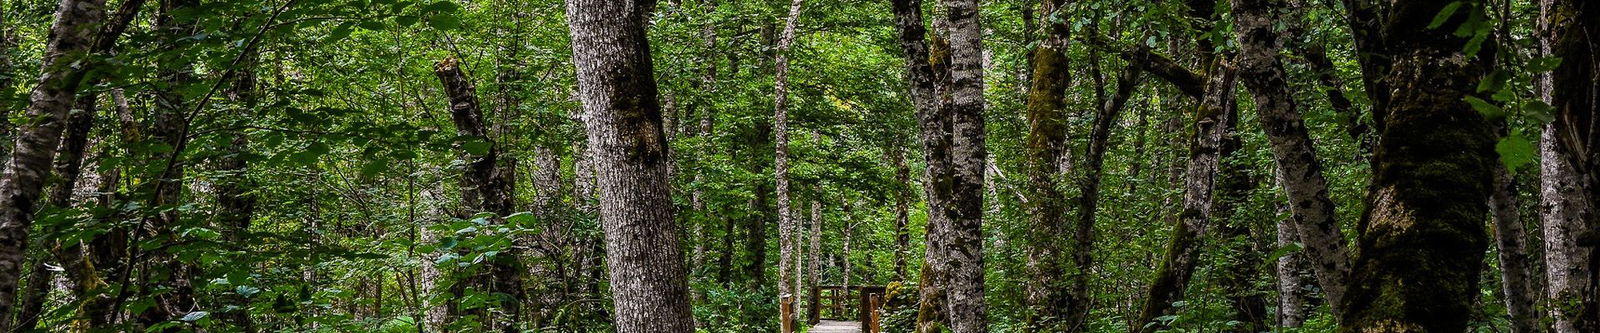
(816, 263)
(1089, 194)
(165, 190)
(1298, 169)
(902, 212)
(37, 140)
(618, 91)
(1212, 128)
(487, 186)
(787, 230)
(1516, 262)
(1421, 249)
(1293, 298)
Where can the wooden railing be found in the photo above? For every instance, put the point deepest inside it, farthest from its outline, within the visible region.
(859, 303)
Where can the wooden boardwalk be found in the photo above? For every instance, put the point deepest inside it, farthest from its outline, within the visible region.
(835, 326)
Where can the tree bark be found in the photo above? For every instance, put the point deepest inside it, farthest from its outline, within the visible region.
(1046, 294)
(1293, 298)
(1570, 27)
(787, 230)
(35, 148)
(1298, 169)
(969, 156)
(1213, 126)
(1421, 249)
(902, 212)
(1564, 205)
(487, 186)
(815, 269)
(1516, 262)
(618, 91)
(927, 95)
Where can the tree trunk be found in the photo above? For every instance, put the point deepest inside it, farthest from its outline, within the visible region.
(787, 231)
(1046, 295)
(487, 186)
(1516, 271)
(618, 92)
(902, 212)
(968, 159)
(816, 263)
(1564, 205)
(37, 140)
(927, 94)
(1570, 29)
(1421, 249)
(1212, 127)
(1293, 298)
(1298, 169)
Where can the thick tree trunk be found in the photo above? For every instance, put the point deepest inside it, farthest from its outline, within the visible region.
(1421, 249)
(618, 91)
(1570, 29)
(487, 186)
(1298, 169)
(788, 270)
(37, 140)
(1213, 126)
(969, 156)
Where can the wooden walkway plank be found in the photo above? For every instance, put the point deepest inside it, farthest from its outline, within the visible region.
(835, 326)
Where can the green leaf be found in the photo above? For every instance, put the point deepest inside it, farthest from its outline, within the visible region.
(1484, 107)
(1544, 64)
(193, 316)
(1515, 151)
(1539, 110)
(444, 21)
(476, 146)
(374, 25)
(1445, 14)
(339, 33)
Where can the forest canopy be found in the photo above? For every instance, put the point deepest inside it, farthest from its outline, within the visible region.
(799, 166)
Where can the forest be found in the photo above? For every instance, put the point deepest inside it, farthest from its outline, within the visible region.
(823, 166)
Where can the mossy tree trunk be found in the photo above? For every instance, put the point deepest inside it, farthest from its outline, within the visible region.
(1421, 249)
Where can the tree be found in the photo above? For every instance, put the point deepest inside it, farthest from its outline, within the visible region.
(71, 36)
(624, 124)
(1421, 249)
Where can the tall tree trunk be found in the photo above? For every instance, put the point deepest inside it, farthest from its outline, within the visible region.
(235, 199)
(1046, 294)
(1089, 194)
(1421, 249)
(816, 263)
(787, 230)
(1571, 27)
(487, 186)
(1298, 169)
(1564, 205)
(1516, 261)
(618, 91)
(965, 304)
(927, 95)
(1213, 125)
(37, 140)
(1293, 298)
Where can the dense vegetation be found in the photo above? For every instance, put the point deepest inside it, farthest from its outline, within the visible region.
(698, 165)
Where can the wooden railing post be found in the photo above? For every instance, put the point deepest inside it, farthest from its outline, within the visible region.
(786, 313)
